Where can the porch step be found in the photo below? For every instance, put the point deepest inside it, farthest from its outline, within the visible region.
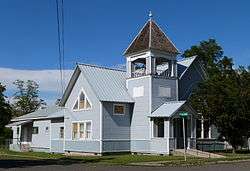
(198, 153)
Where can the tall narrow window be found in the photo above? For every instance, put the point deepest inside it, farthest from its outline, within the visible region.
(82, 131)
(74, 131)
(88, 130)
(82, 102)
(61, 132)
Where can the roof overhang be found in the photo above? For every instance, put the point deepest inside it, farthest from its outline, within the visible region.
(172, 109)
(18, 123)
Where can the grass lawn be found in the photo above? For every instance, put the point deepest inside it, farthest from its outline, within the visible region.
(122, 159)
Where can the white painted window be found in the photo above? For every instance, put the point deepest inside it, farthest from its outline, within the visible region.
(164, 91)
(82, 130)
(82, 102)
(119, 109)
(138, 91)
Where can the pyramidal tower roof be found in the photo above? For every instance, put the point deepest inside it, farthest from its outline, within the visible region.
(151, 37)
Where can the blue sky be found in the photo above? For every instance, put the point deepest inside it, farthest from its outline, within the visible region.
(98, 31)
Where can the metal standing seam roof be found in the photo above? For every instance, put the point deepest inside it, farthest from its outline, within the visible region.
(184, 64)
(108, 84)
(48, 112)
(167, 109)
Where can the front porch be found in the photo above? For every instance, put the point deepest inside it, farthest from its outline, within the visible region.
(22, 135)
(167, 129)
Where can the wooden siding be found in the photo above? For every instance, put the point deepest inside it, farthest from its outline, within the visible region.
(92, 114)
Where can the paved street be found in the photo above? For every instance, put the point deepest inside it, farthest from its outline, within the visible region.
(21, 166)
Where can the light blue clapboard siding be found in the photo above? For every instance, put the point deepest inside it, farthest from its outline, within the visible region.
(159, 145)
(92, 114)
(82, 146)
(116, 128)
(57, 146)
(116, 146)
(158, 100)
(40, 149)
(41, 140)
(140, 146)
(140, 125)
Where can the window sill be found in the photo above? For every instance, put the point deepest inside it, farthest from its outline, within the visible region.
(79, 110)
(119, 114)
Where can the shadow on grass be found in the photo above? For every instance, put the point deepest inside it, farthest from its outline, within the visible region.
(24, 163)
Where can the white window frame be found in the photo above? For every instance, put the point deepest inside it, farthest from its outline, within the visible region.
(78, 130)
(78, 99)
(119, 104)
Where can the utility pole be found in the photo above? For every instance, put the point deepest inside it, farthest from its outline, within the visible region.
(184, 138)
(184, 115)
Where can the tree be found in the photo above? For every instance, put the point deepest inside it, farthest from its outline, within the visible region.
(26, 99)
(209, 52)
(5, 112)
(224, 97)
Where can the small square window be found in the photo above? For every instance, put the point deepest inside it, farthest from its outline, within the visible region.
(35, 130)
(119, 109)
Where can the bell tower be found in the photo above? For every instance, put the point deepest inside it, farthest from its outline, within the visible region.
(152, 56)
(151, 78)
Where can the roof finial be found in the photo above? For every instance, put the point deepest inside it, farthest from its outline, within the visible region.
(150, 15)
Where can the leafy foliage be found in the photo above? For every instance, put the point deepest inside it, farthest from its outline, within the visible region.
(224, 97)
(5, 112)
(26, 99)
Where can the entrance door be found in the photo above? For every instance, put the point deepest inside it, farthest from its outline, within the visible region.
(178, 132)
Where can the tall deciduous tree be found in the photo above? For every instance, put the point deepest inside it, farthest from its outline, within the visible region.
(26, 99)
(224, 97)
(5, 111)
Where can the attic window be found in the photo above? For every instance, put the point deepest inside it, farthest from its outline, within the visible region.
(82, 102)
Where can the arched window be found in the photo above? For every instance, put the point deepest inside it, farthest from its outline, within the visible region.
(82, 102)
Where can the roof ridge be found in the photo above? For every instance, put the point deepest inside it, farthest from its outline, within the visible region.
(176, 101)
(188, 58)
(101, 67)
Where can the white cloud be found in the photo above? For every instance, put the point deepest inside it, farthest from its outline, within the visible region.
(48, 80)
